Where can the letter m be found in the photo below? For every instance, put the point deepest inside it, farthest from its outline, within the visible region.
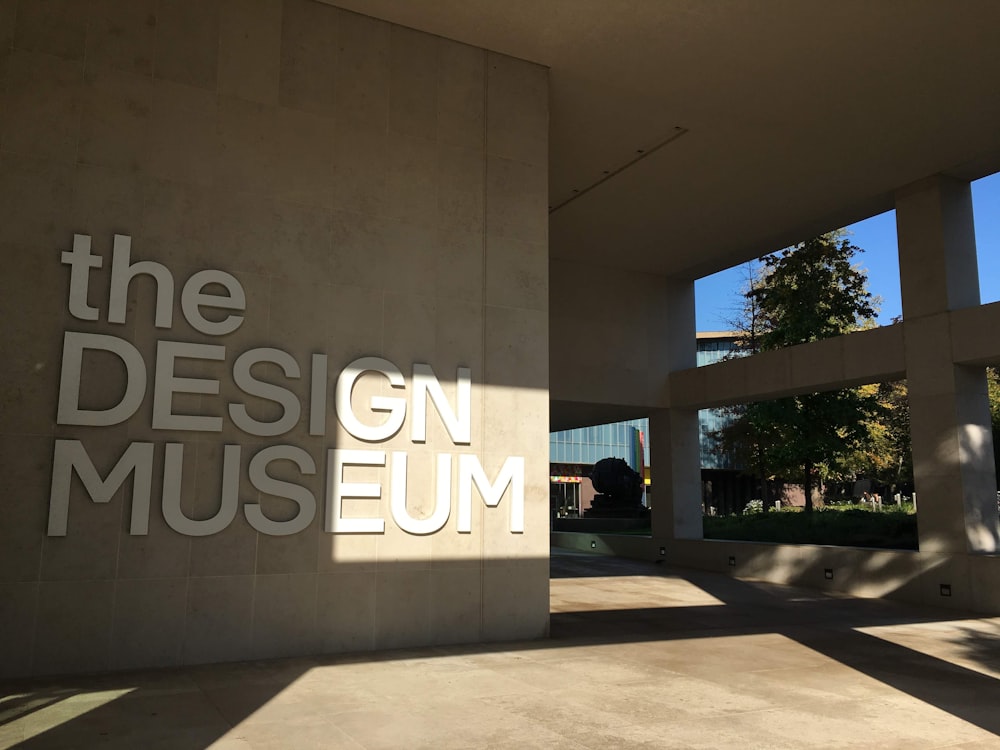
(70, 455)
(471, 471)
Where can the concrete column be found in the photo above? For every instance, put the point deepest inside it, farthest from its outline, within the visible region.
(675, 473)
(674, 455)
(949, 410)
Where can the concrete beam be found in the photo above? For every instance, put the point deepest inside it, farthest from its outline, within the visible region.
(854, 359)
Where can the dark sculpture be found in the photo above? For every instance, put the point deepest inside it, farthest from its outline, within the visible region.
(619, 490)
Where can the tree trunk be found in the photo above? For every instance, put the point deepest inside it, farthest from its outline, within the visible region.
(807, 486)
(761, 477)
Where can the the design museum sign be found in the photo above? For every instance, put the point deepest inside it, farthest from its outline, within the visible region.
(222, 296)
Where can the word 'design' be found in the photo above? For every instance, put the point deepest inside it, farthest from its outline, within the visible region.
(157, 383)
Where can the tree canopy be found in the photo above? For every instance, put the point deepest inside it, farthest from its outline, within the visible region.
(805, 293)
(812, 291)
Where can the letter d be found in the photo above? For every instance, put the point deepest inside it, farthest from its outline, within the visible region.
(70, 412)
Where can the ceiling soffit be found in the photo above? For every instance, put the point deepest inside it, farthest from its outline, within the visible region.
(688, 136)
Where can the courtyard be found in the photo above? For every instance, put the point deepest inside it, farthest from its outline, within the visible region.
(640, 656)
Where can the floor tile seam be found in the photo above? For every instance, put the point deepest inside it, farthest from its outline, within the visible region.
(886, 702)
(206, 696)
(715, 713)
(695, 630)
(520, 720)
(708, 673)
(261, 716)
(242, 681)
(951, 710)
(318, 719)
(701, 717)
(500, 674)
(670, 674)
(665, 642)
(745, 691)
(779, 709)
(810, 663)
(236, 733)
(422, 704)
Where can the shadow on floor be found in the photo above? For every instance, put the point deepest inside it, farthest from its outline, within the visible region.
(828, 625)
(190, 708)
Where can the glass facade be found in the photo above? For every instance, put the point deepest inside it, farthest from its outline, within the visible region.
(588, 445)
(711, 351)
(710, 421)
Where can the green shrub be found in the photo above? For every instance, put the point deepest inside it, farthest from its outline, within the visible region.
(851, 527)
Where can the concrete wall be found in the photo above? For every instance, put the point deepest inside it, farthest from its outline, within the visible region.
(376, 192)
(616, 336)
(963, 582)
(638, 328)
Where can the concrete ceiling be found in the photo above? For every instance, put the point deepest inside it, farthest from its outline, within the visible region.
(779, 119)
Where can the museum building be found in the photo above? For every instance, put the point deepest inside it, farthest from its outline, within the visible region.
(293, 295)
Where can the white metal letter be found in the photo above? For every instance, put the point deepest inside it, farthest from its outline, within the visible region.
(511, 473)
(396, 407)
(425, 383)
(337, 489)
(244, 379)
(70, 455)
(264, 482)
(317, 395)
(442, 509)
(122, 273)
(80, 262)
(173, 471)
(69, 411)
(194, 297)
(167, 384)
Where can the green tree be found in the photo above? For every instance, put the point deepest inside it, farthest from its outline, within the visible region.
(812, 291)
(748, 318)
(745, 436)
(805, 293)
(885, 455)
(993, 389)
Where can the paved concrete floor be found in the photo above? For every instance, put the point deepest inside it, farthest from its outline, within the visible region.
(640, 657)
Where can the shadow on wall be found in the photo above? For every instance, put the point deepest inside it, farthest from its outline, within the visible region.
(968, 454)
(401, 605)
(116, 571)
(970, 582)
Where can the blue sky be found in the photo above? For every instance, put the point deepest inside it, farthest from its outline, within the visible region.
(717, 296)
